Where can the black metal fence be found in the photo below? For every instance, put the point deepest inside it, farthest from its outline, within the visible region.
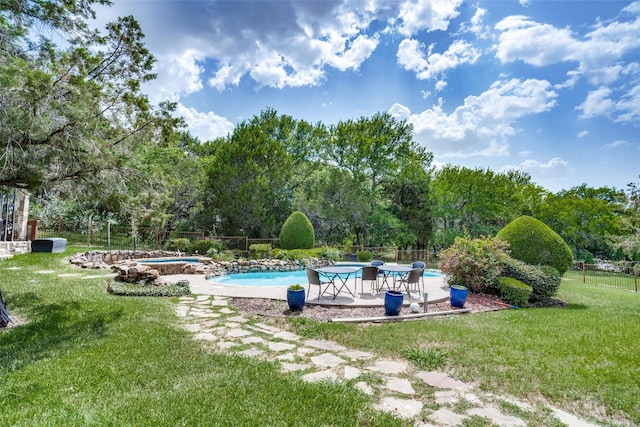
(114, 236)
(621, 274)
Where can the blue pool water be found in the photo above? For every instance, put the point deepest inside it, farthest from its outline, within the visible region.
(277, 278)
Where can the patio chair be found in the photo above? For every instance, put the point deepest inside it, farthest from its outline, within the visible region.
(314, 279)
(422, 265)
(370, 274)
(413, 278)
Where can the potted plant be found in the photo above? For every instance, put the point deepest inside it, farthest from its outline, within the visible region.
(393, 302)
(295, 297)
(458, 295)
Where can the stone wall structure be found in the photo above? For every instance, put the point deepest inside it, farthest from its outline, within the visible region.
(132, 266)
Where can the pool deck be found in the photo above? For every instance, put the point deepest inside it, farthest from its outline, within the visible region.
(436, 287)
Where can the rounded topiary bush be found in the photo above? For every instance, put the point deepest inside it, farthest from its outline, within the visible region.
(544, 280)
(514, 291)
(533, 242)
(297, 232)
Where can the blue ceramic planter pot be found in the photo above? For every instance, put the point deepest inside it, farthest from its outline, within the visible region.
(393, 303)
(458, 295)
(295, 299)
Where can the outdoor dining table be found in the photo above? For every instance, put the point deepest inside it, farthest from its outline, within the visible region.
(342, 274)
(394, 272)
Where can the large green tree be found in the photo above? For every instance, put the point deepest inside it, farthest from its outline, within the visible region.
(252, 173)
(478, 202)
(72, 113)
(585, 217)
(382, 158)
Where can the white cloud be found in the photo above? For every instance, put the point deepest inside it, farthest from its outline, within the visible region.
(205, 126)
(484, 123)
(601, 102)
(433, 65)
(598, 53)
(426, 15)
(597, 103)
(582, 133)
(399, 111)
(441, 85)
(177, 75)
(554, 168)
(616, 144)
(629, 106)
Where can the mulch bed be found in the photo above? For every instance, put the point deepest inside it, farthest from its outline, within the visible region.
(279, 309)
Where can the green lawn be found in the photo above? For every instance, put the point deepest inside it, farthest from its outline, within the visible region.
(584, 357)
(85, 357)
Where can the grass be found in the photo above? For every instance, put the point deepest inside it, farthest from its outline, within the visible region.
(583, 357)
(85, 357)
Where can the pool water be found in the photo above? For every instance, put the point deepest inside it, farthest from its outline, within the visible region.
(277, 278)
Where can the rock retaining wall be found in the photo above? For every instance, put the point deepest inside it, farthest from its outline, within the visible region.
(131, 265)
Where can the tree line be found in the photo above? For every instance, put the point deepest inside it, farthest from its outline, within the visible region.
(81, 135)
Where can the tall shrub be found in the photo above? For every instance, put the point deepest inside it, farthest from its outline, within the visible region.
(533, 242)
(474, 263)
(297, 232)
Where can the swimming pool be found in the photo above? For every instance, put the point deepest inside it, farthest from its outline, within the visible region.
(278, 278)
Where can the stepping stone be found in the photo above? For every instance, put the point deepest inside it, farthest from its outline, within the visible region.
(403, 408)
(280, 346)
(351, 373)
(327, 360)
(238, 319)
(251, 352)
(202, 298)
(192, 327)
(252, 340)
(225, 345)
(237, 333)
(226, 310)
(232, 325)
(218, 303)
(570, 419)
(182, 311)
(45, 271)
(205, 336)
(320, 376)
(444, 397)
(289, 367)
(389, 367)
(210, 323)
(498, 417)
(286, 335)
(357, 355)
(364, 387)
(287, 357)
(442, 380)
(446, 417)
(303, 351)
(325, 345)
(267, 329)
(400, 385)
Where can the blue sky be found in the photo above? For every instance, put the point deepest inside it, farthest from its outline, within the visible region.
(551, 88)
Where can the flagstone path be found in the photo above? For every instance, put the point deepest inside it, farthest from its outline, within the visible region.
(393, 384)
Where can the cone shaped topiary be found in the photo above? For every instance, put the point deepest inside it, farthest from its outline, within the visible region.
(297, 232)
(533, 242)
